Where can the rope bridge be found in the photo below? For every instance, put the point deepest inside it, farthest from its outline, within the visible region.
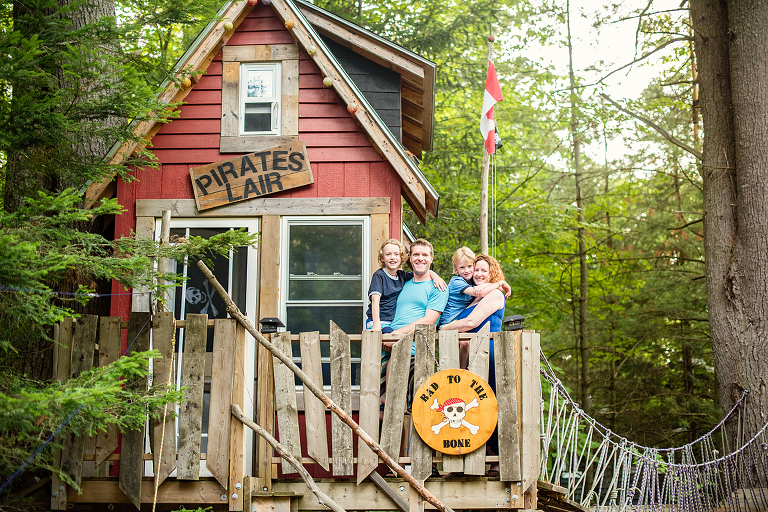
(601, 470)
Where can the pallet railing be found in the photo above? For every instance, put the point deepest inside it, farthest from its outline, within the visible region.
(276, 404)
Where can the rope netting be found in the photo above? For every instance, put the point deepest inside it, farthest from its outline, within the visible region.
(603, 470)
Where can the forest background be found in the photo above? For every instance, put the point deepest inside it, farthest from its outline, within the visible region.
(598, 214)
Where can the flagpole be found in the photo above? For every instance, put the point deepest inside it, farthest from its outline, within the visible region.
(484, 178)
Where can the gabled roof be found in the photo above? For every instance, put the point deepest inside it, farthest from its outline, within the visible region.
(416, 189)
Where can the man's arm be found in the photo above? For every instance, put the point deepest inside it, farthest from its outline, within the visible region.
(430, 317)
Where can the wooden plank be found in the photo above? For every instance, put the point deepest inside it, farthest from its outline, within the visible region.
(379, 234)
(259, 52)
(109, 351)
(217, 457)
(314, 409)
(506, 395)
(279, 168)
(190, 410)
(145, 228)
(62, 359)
(132, 446)
(270, 207)
(237, 471)
(479, 354)
(254, 143)
(424, 367)
(382, 484)
(370, 385)
(269, 275)
(285, 401)
(271, 504)
(449, 359)
(230, 99)
(202, 492)
(470, 494)
(341, 394)
(83, 349)
(530, 418)
(164, 431)
(395, 400)
(289, 103)
(415, 501)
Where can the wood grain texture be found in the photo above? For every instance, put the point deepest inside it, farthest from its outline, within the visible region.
(145, 228)
(230, 99)
(109, 351)
(424, 367)
(449, 359)
(62, 359)
(83, 349)
(253, 143)
(259, 52)
(506, 394)
(237, 446)
(290, 97)
(370, 381)
(341, 394)
(219, 415)
(479, 354)
(132, 446)
(314, 409)
(270, 207)
(395, 400)
(285, 402)
(163, 331)
(265, 411)
(530, 418)
(191, 409)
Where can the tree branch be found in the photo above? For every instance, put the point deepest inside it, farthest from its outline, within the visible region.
(322, 498)
(656, 127)
(235, 313)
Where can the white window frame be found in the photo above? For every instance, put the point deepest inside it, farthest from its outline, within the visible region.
(251, 296)
(274, 99)
(286, 223)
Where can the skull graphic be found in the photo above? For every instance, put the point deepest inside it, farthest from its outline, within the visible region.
(454, 411)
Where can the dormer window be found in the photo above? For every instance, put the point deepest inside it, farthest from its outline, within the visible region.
(260, 99)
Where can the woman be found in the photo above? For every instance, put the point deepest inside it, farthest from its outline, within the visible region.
(483, 310)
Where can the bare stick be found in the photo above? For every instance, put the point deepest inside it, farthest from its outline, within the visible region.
(287, 361)
(662, 131)
(322, 498)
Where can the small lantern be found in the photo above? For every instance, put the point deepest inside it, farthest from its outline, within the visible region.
(228, 25)
(186, 83)
(270, 325)
(352, 108)
(311, 50)
(327, 81)
(289, 24)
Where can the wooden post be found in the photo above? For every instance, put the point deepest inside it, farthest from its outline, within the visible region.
(341, 394)
(219, 417)
(424, 366)
(132, 448)
(285, 402)
(164, 431)
(193, 379)
(484, 183)
(370, 377)
(265, 414)
(237, 491)
(531, 416)
(479, 354)
(314, 409)
(62, 360)
(506, 394)
(109, 351)
(449, 359)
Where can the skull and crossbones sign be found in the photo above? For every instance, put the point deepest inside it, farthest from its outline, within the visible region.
(454, 413)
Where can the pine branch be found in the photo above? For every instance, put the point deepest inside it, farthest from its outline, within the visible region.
(677, 142)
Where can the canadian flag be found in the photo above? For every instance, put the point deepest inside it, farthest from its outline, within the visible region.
(491, 97)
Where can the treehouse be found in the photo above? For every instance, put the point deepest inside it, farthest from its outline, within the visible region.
(306, 129)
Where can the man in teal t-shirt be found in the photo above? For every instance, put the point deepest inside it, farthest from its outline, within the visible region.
(420, 302)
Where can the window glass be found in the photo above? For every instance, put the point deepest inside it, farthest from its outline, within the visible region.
(260, 98)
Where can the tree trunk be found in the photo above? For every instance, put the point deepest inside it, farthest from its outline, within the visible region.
(730, 42)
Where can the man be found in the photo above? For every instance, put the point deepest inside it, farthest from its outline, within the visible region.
(420, 302)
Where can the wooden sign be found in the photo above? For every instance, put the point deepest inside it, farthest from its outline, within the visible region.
(251, 176)
(455, 411)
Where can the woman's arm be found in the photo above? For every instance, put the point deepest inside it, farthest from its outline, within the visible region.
(485, 308)
(482, 290)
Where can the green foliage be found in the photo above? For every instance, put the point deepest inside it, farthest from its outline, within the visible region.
(31, 411)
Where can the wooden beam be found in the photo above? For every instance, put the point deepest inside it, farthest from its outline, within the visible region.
(219, 417)
(341, 394)
(62, 360)
(202, 492)
(479, 354)
(237, 446)
(285, 402)
(164, 429)
(506, 394)
(370, 382)
(314, 409)
(530, 418)
(259, 52)
(449, 359)
(192, 378)
(151, 208)
(109, 351)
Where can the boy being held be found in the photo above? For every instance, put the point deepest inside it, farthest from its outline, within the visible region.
(461, 288)
(387, 283)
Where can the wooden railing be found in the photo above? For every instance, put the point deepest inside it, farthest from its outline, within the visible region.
(278, 402)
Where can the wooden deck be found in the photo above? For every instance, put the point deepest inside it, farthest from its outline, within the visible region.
(345, 468)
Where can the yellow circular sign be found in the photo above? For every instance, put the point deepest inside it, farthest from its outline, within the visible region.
(455, 411)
